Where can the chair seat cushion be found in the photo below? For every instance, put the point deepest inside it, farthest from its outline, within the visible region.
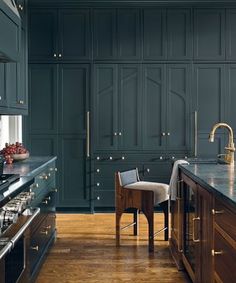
(161, 191)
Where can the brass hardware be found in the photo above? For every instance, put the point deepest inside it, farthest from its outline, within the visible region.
(88, 135)
(55, 169)
(36, 248)
(148, 170)
(55, 190)
(48, 227)
(163, 134)
(98, 170)
(115, 134)
(36, 185)
(168, 134)
(195, 133)
(229, 149)
(49, 174)
(59, 55)
(97, 198)
(213, 253)
(186, 157)
(20, 7)
(55, 55)
(217, 211)
(98, 184)
(172, 157)
(194, 239)
(110, 158)
(120, 134)
(98, 158)
(160, 157)
(45, 202)
(44, 177)
(44, 232)
(0, 98)
(21, 102)
(123, 158)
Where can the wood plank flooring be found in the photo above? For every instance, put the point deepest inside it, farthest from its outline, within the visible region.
(85, 251)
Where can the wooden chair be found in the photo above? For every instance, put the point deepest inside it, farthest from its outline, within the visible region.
(133, 195)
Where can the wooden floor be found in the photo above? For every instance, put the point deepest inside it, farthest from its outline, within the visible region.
(85, 251)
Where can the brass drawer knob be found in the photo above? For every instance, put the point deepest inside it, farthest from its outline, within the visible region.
(217, 211)
(44, 232)
(21, 102)
(48, 227)
(35, 248)
(98, 170)
(213, 252)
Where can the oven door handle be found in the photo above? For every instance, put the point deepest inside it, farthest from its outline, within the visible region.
(24, 227)
(5, 250)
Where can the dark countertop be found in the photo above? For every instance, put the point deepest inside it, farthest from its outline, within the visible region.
(217, 178)
(29, 167)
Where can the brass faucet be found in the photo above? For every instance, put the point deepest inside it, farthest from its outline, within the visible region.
(230, 149)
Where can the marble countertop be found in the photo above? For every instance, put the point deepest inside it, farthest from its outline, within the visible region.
(29, 167)
(217, 178)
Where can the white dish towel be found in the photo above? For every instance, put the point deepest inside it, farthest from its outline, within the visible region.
(174, 178)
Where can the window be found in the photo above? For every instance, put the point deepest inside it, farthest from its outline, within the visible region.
(10, 130)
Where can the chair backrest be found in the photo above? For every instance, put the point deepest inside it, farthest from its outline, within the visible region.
(129, 177)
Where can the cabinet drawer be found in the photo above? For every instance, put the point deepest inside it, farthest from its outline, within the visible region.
(225, 262)
(157, 169)
(106, 198)
(225, 218)
(108, 170)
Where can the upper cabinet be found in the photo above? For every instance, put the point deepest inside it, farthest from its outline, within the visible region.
(209, 34)
(59, 35)
(154, 32)
(167, 34)
(116, 34)
(231, 34)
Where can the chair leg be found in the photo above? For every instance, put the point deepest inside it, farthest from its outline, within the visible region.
(150, 218)
(136, 220)
(118, 218)
(164, 206)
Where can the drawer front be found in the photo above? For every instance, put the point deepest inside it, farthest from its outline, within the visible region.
(159, 169)
(225, 218)
(104, 198)
(108, 170)
(225, 262)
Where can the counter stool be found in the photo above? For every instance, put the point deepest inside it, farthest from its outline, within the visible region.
(133, 195)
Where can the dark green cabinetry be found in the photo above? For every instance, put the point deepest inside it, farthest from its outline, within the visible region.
(59, 35)
(3, 90)
(166, 106)
(117, 34)
(117, 100)
(151, 68)
(210, 102)
(209, 34)
(62, 130)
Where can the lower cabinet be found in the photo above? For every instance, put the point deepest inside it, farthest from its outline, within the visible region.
(154, 168)
(43, 229)
(203, 234)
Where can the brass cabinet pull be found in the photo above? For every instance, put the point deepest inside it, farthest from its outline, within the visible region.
(115, 134)
(35, 248)
(168, 134)
(21, 102)
(48, 227)
(98, 158)
(59, 55)
(55, 190)
(122, 157)
(217, 211)
(98, 170)
(45, 202)
(120, 134)
(88, 135)
(44, 232)
(194, 239)
(55, 55)
(163, 134)
(20, 7)
(110, 158)
(213, 252)
(148, 170)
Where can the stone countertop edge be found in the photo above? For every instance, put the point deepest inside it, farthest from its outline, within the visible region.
(29, 167)
(206, 185)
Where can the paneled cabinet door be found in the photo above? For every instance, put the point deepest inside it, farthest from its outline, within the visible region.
(43, 99)
(105, 125)
(231, 90)
(209, 103)
(154, 107)
(179, 36)
(74, 39)
(3, 91)
(205, 228)
(42, 34)
(154, 34)
(231, 34)
(178, 101)
(73, 98)
(209, 34)
(129, 114)
(73, 182)
(104, 34)
(128, 33)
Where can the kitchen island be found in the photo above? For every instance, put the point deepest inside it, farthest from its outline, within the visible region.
(203, 230)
